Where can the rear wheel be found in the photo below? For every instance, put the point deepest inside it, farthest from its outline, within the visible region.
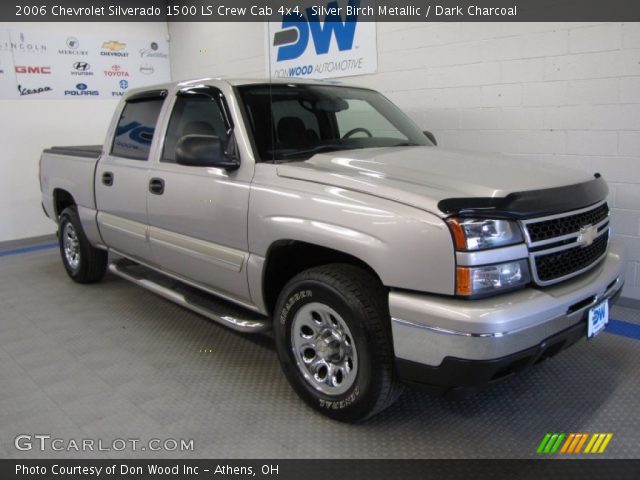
(83, 262)
(334, 343)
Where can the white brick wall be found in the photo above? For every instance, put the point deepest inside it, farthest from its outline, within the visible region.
(563, 93)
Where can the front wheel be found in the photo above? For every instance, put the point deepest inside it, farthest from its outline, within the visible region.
(334, 343)
(83, 262)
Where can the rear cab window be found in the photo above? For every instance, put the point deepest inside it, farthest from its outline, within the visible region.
(137, 125)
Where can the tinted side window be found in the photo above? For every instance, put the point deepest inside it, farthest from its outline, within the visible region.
(194, 114)
(135, 129)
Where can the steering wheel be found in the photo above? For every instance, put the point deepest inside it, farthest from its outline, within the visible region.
(353, 131)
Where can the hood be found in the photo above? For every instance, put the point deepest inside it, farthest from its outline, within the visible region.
(423, 176)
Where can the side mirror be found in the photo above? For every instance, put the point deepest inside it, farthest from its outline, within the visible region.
(203, 151)
(430, 136)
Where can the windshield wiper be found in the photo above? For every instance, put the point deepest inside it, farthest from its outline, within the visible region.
(317, 149)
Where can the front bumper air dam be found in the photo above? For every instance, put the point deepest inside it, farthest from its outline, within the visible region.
(454, 345)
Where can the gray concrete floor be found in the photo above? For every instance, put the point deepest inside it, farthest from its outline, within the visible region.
(112, 361)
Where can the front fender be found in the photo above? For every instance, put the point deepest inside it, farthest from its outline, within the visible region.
(407, 248)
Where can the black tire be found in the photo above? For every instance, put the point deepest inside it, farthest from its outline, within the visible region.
(86, 264)
(360, 302)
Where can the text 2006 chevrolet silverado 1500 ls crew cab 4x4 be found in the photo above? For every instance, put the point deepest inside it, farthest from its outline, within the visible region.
(322, 212)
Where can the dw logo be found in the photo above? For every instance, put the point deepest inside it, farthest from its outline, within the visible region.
(293, 38)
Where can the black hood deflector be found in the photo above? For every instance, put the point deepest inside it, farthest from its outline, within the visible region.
(529, 204)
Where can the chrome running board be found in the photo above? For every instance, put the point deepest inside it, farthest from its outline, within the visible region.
(205, 304)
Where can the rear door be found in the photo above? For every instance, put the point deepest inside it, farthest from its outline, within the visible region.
(198, 215)
(122, 177)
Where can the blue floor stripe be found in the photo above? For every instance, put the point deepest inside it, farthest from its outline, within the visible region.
(616, 327)
(35, 248)
(626, 329)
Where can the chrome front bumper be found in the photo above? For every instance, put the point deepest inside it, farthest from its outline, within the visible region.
(429, 328)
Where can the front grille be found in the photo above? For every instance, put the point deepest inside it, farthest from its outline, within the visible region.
(564, 245)
(558, 227)
(561, 264)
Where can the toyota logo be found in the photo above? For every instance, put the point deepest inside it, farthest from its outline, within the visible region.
(81, 66)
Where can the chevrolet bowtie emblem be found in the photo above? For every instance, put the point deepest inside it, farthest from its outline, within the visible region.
(587, 235)
(113, 45)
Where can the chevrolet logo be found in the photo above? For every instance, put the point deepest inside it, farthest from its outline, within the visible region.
(587, 235)
(113, 45)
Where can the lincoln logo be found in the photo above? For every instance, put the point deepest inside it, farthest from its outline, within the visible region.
(587, 235)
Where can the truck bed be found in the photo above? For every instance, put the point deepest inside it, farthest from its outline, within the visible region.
(89, 151)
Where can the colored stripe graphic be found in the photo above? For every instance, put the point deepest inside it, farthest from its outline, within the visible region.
(625, 329)
(574, 443)
(18, 251)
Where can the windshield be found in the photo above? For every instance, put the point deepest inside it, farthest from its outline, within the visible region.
(296, 121)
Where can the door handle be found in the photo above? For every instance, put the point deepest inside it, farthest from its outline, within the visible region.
(107, 179)
(156, 186)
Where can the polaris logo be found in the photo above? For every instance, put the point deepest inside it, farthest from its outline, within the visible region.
(293, 39)
(82, 90)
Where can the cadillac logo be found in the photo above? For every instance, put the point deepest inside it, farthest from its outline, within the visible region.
(587, 235)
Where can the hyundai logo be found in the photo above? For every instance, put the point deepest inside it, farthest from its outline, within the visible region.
(81, 66)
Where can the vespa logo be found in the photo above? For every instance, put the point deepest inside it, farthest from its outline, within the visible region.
(293, 38)
(587, 235)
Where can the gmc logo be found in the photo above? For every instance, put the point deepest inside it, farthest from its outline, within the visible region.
(41, 70)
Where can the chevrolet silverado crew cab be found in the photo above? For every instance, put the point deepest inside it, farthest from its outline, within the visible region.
(321, 212)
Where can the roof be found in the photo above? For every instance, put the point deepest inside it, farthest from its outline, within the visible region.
(236, 82)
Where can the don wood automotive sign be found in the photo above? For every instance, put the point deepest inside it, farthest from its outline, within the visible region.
(321, 41)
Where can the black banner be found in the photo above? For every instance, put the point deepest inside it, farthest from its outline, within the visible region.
(319, 10)
(320, 469)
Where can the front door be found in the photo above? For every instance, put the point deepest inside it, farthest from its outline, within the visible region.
(198, 215)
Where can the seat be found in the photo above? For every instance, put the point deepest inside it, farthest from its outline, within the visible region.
(198, 128)
(292, 132)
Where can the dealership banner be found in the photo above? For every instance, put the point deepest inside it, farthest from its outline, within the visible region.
(44, 65)
(321, 41)
(272, 10)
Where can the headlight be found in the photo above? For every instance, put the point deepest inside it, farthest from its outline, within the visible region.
(481, 234)
(488, 279)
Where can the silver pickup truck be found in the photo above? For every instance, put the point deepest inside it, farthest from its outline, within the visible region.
(321, 212)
